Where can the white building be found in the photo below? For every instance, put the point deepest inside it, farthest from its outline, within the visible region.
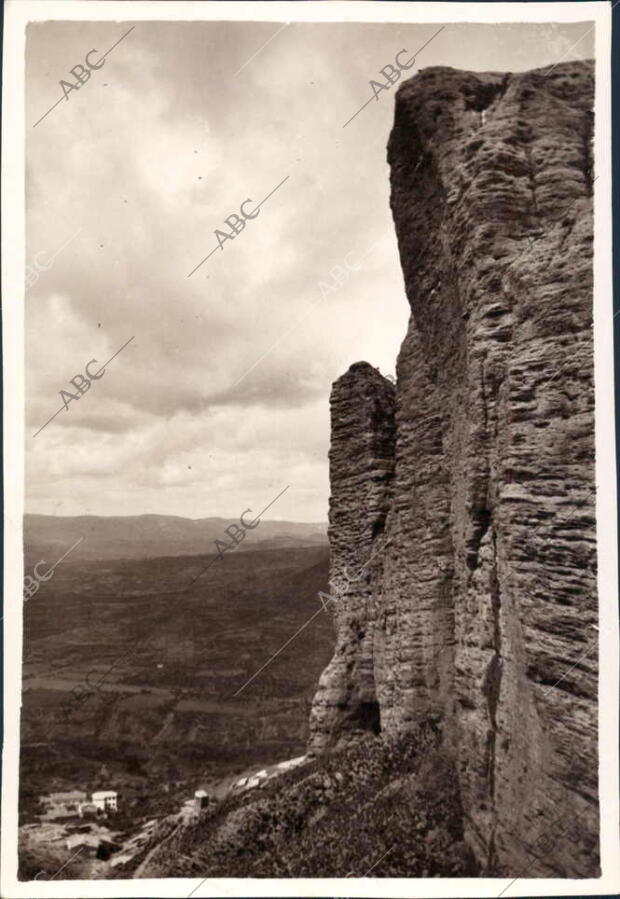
(201, 799)
(291, 763)
(106, 800)
(258, 778)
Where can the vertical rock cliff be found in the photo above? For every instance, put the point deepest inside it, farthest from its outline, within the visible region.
(361, 471)
(462, 507)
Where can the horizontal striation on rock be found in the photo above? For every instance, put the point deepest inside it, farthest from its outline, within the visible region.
(474, 497)
(361, 463)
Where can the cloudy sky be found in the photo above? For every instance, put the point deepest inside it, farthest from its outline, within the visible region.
(221, 398)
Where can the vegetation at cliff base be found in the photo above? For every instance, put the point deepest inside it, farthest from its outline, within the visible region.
(386, 809)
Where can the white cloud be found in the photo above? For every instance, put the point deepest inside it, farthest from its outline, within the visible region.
(148, 158)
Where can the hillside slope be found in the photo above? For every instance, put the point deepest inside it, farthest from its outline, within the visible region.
(375, 808)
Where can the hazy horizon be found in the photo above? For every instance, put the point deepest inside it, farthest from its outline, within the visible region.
(318, 524)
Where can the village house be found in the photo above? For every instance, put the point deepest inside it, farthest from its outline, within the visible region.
(201, 800)
(193, 809)
(62, 805)
(105, 800)
(265, 774)
(76, 802)
(88, 808)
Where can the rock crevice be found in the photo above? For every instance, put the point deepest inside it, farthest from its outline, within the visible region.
(463, 550)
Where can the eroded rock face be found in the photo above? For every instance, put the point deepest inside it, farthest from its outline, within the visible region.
(479, 606)
(361, 471)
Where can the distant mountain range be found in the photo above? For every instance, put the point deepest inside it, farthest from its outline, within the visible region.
(149, 536)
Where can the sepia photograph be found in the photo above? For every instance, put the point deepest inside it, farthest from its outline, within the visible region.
(310, 496)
